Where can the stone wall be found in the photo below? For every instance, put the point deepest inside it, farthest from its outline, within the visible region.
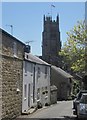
(7, 46)
(0, 75)
(12, 77)
(0, 87)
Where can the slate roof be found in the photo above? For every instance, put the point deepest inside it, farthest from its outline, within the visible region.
(35, 59)
(61, 72)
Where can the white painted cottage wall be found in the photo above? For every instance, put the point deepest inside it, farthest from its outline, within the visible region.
(27, 79)
(42, 82)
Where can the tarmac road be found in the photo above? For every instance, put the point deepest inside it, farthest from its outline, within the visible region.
(60, 111)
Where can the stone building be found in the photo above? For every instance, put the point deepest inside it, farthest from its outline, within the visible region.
(63, 82)
(12, 75)
(51, 43)
(21, 86)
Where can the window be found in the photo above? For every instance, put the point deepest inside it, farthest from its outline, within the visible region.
(31, 66)
(25, 91)
(26, 67)
(38, 72)
(46, 89)
(83, 99)
(43, 93)
(38, 93)
(45, 71)
(15, 49)
(18, 82)
(27, 56)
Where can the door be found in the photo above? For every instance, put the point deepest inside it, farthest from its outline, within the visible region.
(28, 95)
(34, 85)
(25, 100)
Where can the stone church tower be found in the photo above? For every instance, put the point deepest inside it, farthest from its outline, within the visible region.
(51, 44)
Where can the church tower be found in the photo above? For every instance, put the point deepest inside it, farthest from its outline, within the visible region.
(51, 43)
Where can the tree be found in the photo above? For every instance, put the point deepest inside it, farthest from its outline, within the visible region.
(73, 51)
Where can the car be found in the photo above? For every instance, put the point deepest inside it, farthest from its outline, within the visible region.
(76, 100)
(82, 106)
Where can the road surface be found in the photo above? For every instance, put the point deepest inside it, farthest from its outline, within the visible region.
(60, 111)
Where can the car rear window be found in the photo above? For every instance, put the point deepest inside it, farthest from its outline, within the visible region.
(84, 99)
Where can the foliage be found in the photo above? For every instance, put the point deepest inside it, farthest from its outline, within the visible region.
(73, 51)
(76, 86)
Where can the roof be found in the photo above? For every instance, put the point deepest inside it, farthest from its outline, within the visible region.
(62, 72)
(9, 35)
(33, 58)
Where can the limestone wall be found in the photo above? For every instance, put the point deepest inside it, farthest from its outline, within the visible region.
(12, 77)
(0, 75)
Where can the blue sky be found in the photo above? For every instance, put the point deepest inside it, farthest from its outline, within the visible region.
(27, 19)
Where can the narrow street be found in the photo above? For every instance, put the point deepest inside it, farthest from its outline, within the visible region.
(60, 111)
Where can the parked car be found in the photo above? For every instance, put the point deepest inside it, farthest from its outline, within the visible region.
(76, 100)
(82, 106)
